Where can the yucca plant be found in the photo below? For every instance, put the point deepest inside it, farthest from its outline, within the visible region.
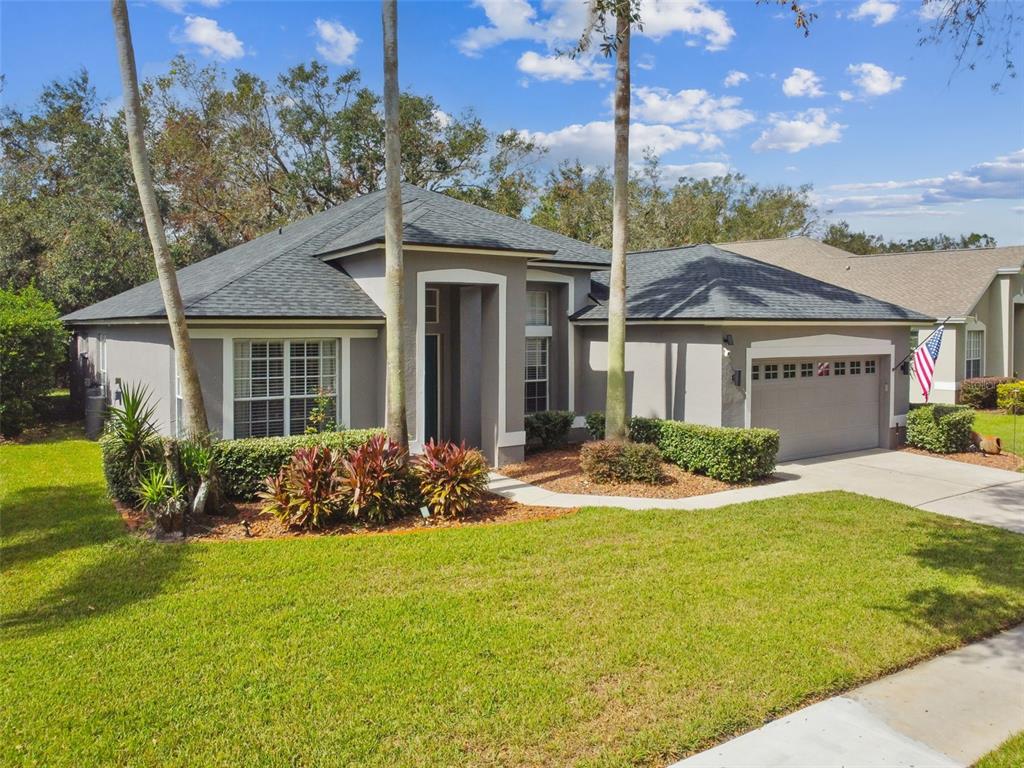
(131, 426)
(452, 478)
(308, 490)
(377, 483)
(161, 497)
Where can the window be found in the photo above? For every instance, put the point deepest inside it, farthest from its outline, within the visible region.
(101, 352)
(806, 370)
(824, 369)
(179, 403)
(432, 305)
(840, 368)
(869, 366)
(755, 372)
(272, 398)
(536, 374)
(771, 371)
(789, 370)
(537, 308)
(855, 367)
(975, 342)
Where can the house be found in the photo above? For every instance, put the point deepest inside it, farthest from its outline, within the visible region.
(981, 291)
(503, 318)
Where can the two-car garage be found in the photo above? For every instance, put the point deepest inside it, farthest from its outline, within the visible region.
(820, 405)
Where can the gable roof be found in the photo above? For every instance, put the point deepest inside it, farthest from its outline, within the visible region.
(281, 274)
(936, 283)
(704, 282)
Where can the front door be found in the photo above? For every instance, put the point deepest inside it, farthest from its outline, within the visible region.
(432, 388)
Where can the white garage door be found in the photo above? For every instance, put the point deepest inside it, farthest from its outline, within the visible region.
(820, 406)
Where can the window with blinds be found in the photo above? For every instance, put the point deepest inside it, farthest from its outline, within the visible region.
(537, 308)
(973, 347)
(536, 374)
(276, 384)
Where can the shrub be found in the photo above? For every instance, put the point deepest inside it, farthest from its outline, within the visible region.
(377, 482)
(595, 424)
(982, 392)
(120, 471)
(1010, 396)
(451, 477)
(940, 428)
(729, 454)
(244, 464)
(608, 461)
(549, 429)
(33, 343)
(309, 490)
(644, 430)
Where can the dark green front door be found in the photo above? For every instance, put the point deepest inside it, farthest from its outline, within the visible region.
(432, 387)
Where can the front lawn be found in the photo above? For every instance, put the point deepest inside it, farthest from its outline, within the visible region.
(605, 637)
(1002, 425)
(1009, 755)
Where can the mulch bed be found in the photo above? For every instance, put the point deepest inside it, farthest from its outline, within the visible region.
(559, 470)
(1003, 460)
(251, 522)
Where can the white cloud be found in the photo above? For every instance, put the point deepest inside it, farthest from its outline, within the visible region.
(873, 80)
(845, 96)
(672, 171)
(443, 118)
(693, 107)
(880, 11)
(806, 129)
(734, 78)
(998, 179)
(646, 62)
(803, 82)
(337, 43)
(178, 6)
(930, 10)
(593, 143)
(1018, 209)
(207, 35)
(565, 20)
(563, 68)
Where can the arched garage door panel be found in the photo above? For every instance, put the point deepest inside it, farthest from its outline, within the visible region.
(818, 405)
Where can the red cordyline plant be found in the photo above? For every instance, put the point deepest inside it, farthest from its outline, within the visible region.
(452, 477)
(376, 479)
(308, 490)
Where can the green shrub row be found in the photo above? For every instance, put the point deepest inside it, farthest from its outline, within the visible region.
(940, 428)
(548, 429)
(982, 392)
(607, 461)
(1010, 396)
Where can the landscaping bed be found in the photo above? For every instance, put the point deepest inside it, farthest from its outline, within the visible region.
(559, 470)
(1004, 460)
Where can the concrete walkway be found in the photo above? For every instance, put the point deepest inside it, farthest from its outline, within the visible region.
(982, 494)
(943, 713)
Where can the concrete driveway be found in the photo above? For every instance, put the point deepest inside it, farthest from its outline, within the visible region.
(984, 495)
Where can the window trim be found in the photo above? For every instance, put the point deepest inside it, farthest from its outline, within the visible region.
(436, 306)
(980, 359)
(546, 381)
(101, 362)
(532, 292)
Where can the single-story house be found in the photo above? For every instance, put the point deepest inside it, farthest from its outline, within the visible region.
(504, 318)
(981, 291)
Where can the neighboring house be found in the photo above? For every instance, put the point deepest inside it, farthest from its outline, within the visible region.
(503, 318)
(981, 291)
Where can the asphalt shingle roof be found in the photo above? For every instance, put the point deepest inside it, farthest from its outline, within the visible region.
(936, 283)
(280, 274)
(704, 282)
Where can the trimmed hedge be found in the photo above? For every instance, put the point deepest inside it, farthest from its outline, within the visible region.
(548, 429)
(595, 424)
(982, 392)
(1010, 396)
(121, 480)
(641, 428)
(729, 454)
(244, 464)
(940, 428)
(607, 461)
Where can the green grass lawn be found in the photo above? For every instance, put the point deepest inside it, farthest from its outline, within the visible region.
(1002, 425)
(1009, 755)
(602, 638)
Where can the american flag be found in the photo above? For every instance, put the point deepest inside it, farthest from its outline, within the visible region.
(924, 362)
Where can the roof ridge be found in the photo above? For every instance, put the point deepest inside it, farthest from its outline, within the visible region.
(934, 251)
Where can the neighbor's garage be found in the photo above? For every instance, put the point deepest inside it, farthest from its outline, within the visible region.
(820, 405)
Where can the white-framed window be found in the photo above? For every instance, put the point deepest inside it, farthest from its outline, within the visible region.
(825, 369)
(973, 354)
(806, 370)
(869, 366)
(855, 367)
(771, 371)
(179, 403)
(537, 348)
(432, 305)
(538, 309)
(789, 370)
(277, 382)
(755, 372)
(101, 363)
(840, 368)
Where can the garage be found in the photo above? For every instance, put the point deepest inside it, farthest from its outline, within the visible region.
(819, 406)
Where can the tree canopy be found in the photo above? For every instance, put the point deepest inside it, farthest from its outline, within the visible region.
(840, 235)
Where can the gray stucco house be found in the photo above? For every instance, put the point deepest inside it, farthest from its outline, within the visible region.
(504, 318)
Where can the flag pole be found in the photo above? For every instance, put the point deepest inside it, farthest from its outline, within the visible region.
(911, 352)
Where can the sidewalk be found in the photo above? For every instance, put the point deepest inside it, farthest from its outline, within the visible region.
(943, 713)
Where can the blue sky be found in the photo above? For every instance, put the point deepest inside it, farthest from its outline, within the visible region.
(891, 138)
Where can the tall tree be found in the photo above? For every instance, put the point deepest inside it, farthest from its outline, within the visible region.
(394, 272)
(840, 235)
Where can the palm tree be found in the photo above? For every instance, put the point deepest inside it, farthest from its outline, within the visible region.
(394, 275)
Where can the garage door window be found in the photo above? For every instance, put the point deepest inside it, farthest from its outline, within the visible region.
(855, 367)
(840, 368)
(824, 369)
(869, 366)
(789, 370)
(755, 372)
(771, 371)
(806, 370)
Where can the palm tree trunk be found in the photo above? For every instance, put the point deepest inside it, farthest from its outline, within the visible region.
(394, 275)
(192, 394)
(615, 405)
